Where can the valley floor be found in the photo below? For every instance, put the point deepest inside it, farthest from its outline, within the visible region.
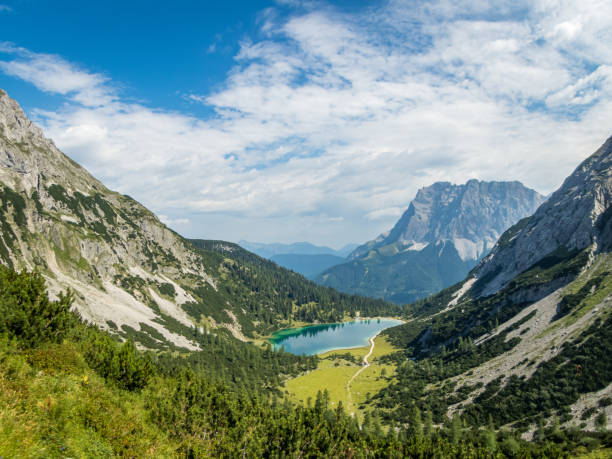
(343, 374)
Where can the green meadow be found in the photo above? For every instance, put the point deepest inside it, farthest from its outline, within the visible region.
(335, 370)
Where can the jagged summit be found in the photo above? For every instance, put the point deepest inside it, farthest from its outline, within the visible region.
(574, 218)
(472, 216)
(440, 237)
(14, 123)
(29, 158)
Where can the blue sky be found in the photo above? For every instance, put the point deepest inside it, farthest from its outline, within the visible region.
(296, 120)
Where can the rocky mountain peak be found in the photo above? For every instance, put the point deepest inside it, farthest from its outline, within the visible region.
(574, 218)
(27, 157)
(15, 125)
(59, 219)
(472, 216)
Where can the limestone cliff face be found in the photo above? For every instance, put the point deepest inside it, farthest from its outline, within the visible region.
(576, 217)
(444, 232)
(471, 216)
(59, 219)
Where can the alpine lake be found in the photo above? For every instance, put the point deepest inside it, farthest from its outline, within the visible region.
(317, 339)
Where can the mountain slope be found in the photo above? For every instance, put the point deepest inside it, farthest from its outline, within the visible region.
(575, 217)
(435, 243)
(528, 334)
(131, 274)
(76, 392)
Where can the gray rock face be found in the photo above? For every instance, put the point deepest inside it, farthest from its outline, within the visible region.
(574, 218)
(444, 232)
(80, 235)
(471, 216)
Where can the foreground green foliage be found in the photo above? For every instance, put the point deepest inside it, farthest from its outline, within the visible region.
(26, 311)
(88, 396)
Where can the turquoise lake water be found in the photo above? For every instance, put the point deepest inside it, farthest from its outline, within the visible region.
(316, 339)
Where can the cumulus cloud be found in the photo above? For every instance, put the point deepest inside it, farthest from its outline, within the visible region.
(384, 213)
(53, 74)
(336, 117)
(174, 222)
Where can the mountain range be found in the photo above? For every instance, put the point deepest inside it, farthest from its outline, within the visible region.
(440, 237)
(302, 257)
(517, 350)
(527, 334)
(269, 250)
(131, 274)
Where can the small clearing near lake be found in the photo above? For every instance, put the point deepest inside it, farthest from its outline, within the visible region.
(335, 371)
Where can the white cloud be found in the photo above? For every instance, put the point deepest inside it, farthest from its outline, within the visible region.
(347, 115)
(566, 30)
(385, 213)
(174, 222)
(51, 73)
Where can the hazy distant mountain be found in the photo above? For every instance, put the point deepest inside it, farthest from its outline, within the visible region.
(301, 248)
(308, 265)
(302, 257)
(444, 232)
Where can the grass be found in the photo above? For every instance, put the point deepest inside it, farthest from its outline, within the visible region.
(53, 405)
(357, 352)
(604, 453)
(383, 347)
(369, 382)
(326, 376)
(334, 372)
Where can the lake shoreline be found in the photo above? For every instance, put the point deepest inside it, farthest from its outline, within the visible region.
(277, 338)
(333, 323)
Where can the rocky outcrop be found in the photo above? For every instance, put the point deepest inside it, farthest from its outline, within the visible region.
(575, 218)
(59, 219)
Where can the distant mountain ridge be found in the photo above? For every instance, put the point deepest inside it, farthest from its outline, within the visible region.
(446, 229)
(308, 265)
(302, 257)
(472, 216)
(268, 250)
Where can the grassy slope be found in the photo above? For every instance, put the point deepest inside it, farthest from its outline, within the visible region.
(53, 405)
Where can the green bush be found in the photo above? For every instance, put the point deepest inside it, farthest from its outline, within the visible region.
(121, 364)
(26, 313)
(167, 289)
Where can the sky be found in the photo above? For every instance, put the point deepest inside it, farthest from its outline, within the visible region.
(287, 120)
